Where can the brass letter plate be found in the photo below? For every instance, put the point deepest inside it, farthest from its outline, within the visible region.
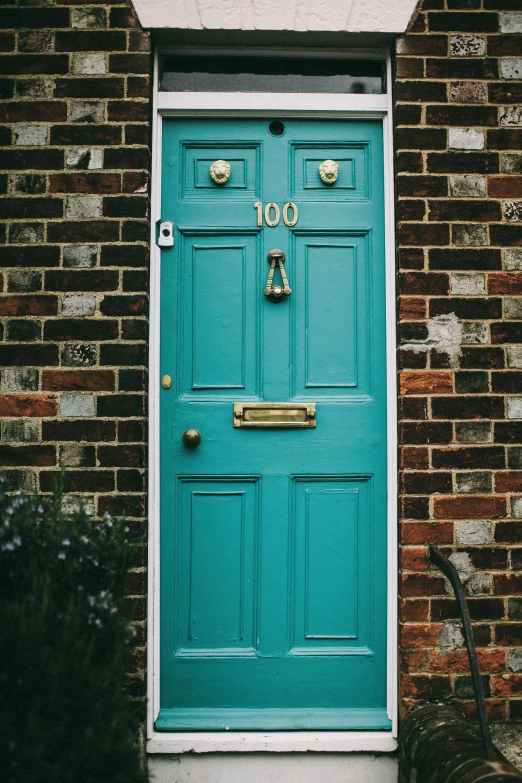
(274, 414)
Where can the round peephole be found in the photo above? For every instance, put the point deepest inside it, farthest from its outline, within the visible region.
(276, 128)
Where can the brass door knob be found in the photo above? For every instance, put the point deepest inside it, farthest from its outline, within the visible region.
(191, 438)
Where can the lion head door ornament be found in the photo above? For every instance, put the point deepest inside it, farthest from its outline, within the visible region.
(220, 171)
(329, 171)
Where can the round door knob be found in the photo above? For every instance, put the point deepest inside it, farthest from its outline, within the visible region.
(191, 438)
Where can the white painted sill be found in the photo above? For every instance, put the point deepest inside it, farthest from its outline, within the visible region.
(273, 742)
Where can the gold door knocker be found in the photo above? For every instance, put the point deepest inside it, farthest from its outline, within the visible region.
(276, 293)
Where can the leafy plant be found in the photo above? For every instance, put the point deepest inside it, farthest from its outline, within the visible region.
(65, 715)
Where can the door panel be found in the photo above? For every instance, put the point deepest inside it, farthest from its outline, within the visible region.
(353, 181)
(273, 541)
(219, 304)
(331, 317)
(196, 185)
(215, 610)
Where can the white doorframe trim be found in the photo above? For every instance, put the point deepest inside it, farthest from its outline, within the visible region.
(269, 104)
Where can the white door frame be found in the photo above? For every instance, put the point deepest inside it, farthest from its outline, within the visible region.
(192, 104)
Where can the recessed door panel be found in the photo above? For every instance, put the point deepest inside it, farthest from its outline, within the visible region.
(197, 183)
(216, 569)
(352, 183)
(332, 319)
(332, 528)
(219, 349)
(273, 536)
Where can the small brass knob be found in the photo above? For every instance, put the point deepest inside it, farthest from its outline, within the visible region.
(191, 438)
(166, 381)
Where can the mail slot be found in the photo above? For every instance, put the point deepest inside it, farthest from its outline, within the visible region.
(274, 414)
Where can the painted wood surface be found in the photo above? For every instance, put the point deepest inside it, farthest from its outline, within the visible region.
(273, 564)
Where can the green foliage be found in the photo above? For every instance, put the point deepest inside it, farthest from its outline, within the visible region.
(65, 715)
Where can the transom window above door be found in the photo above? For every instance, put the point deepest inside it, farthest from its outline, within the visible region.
(258, 72)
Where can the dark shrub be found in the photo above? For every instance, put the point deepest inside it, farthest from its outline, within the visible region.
(65, 716)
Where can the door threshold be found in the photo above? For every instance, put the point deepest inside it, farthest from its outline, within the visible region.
(320, 719)
(272, 742)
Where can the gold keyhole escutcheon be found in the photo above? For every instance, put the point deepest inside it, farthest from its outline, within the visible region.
(166, 381)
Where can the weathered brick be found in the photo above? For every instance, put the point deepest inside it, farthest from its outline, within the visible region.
(28, 305)
(466, 508)
(77, 380)
(80, 329)
(33, 455)
(478, 457)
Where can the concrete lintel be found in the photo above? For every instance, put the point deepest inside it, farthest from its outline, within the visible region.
(349, 16)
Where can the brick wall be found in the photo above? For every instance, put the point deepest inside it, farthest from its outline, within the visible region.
(459, 185)
(74, 159)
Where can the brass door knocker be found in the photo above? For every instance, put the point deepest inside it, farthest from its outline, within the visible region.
(276, 293)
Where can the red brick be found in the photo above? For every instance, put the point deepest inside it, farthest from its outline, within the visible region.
(84, 231)
(96, 87)
(11, 456)
(456, 661)
(423, 234)
(426, 382)
(409, 67)
(508, 685)
(27, 405)
(463, 22)
(475, 507)
(414, 458)
(415, 610)
(85, 183)
(28, 305)
(422, 585)
(508, 482)
(425, 686)
(86, 430)
(427, 532)
(429, 283)
(414, 558)
(508, 634)
(505, 187)
(419, 636)
(43, 111)
(413, 308)
(507, 584)
(79, 480)
(78, 380)
(505, 283)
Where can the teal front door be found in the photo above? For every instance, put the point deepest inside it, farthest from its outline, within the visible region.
(273, 538)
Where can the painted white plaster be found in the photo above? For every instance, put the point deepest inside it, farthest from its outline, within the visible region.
(444, 335)
(466, 139)
(514, 407)
(473, 531)
(450, 637)
(511, 67)
(273, 768)
(514, 356)
(73, 405)
(375, 16)
(511, 23)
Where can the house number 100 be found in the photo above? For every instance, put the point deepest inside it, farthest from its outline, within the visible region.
(273, 214)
